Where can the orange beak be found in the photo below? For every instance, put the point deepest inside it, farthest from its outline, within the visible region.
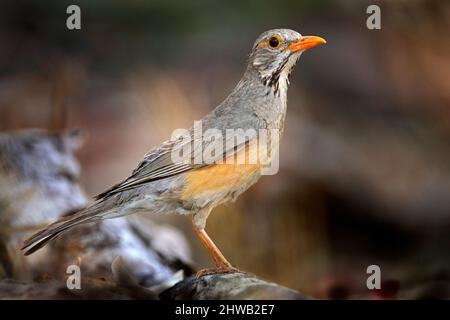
(306, 42)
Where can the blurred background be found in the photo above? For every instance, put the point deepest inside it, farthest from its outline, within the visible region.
(365, 163)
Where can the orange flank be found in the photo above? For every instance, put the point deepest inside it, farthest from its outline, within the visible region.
(217, 177)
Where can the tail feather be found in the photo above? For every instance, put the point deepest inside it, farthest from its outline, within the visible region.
(42, 237)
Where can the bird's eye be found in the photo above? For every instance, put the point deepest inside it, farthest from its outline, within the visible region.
(274, 41)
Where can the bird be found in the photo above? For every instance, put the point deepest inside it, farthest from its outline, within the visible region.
(160, 184)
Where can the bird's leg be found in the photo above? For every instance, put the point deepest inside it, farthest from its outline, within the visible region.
(220, 261)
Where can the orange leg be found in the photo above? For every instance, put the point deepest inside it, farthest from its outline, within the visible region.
(222, 264)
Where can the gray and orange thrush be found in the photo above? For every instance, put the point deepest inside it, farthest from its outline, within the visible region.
(160, 185)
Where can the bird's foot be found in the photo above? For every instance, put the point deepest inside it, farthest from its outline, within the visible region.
(210, 271)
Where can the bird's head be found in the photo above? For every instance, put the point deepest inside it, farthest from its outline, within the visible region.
(276, 51)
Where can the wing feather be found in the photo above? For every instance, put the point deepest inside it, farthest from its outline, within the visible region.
(158, 163)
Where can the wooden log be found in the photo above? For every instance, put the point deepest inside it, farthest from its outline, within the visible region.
(229, 286)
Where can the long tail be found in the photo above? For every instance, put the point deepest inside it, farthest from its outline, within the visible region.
(42, 237)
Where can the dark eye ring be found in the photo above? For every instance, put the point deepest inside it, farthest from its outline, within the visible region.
(274, 42)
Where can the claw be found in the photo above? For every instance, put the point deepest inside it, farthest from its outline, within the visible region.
(211, 271)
